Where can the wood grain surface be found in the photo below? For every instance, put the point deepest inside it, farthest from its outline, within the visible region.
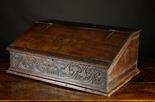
(142, 88)
(84, 43)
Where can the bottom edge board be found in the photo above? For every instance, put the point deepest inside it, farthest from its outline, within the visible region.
(57, 82)
(134, 72)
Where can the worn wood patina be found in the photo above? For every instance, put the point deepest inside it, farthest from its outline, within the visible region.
(93, 58)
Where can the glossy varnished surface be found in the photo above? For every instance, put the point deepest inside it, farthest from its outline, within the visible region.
(16, 88)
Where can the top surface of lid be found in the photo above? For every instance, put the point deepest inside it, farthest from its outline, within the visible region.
(94, 45)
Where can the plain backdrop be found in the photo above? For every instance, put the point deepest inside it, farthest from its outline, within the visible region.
(17, 15)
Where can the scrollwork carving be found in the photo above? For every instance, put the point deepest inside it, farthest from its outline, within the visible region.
(64, 69)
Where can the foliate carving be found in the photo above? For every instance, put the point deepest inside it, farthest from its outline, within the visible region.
(64, 69)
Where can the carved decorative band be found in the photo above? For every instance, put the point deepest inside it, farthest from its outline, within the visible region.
(59, 68)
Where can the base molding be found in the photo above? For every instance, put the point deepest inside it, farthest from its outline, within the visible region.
(126, 78)
(56, 82)
(133, 73)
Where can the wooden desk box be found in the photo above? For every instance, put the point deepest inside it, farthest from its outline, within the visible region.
(92, 58)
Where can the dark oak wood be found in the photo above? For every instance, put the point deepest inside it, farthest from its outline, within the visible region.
(141, 88)
(97, 59)
(76, 42)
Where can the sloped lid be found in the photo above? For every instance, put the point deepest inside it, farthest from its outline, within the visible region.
(84, 42)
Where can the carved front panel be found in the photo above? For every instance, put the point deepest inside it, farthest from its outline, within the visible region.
(59, 69)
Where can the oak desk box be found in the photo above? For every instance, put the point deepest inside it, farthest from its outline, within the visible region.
(93, 58)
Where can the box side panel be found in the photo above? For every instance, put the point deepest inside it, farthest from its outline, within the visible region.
(77, 75)
(126, 66)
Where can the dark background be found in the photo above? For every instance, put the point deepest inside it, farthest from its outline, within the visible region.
(17, 15)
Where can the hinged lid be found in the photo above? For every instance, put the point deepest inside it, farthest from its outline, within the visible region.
(95, 44)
